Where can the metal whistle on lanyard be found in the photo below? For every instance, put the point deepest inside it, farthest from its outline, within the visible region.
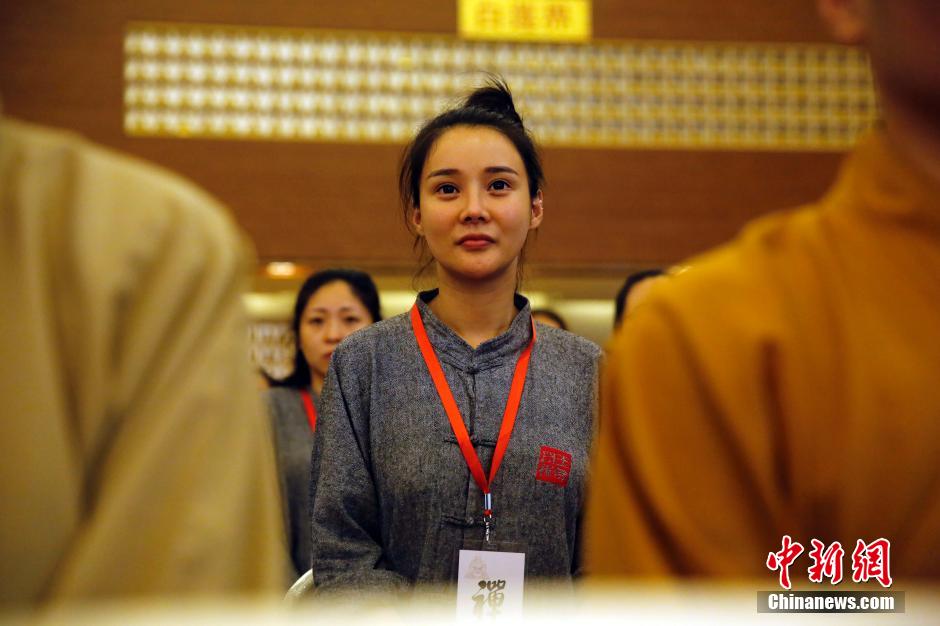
(487, 515)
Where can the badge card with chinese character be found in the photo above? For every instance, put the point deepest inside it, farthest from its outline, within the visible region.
(489, 586)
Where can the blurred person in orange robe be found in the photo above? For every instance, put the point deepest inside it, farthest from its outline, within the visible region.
(786, 384)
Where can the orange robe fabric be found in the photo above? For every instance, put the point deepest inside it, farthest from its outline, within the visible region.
(788, 383)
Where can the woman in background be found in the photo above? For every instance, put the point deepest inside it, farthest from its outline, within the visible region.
(330, 305)
(549, 317)
(418, 410)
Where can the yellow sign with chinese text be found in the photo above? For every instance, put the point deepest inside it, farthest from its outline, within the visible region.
(525, 20)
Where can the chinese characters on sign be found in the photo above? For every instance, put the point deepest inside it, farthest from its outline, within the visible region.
(490, 586)
(491, 596)
(525, 20)
(870, 561)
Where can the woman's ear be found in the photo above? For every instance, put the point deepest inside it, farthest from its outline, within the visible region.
(537, 210)
(416, 220)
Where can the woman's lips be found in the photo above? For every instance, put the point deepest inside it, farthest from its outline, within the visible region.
(475, 242)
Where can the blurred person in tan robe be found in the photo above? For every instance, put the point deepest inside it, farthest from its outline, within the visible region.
(787, 384)
(135, 458)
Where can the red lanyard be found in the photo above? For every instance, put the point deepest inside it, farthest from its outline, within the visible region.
(456, 421)
(311, 410)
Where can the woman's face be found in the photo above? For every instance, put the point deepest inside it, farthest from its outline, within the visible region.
(475, 208)
(332, 313)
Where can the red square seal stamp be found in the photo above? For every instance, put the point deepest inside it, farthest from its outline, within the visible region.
(554, 466)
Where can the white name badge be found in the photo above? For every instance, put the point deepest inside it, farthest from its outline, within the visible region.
(489, 586)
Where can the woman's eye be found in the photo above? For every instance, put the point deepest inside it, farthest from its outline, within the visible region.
(499, 185)
(315, 321)
(447, 189)
(352, 320)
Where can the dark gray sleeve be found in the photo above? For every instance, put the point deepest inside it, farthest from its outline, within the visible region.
(347, 549)
(276, 436)
(577, 563)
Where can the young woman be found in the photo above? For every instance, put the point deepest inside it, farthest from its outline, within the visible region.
(413, 403)
(330, 306)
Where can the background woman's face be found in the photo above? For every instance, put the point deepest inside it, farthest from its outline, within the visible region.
(475, 210)
(332, 313)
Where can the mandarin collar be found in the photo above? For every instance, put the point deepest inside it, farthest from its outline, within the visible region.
(879, 180)
(451, 347)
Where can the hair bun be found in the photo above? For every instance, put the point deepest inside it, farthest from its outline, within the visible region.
(494, 96)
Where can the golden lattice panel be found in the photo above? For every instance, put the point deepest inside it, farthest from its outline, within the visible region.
(342, 86)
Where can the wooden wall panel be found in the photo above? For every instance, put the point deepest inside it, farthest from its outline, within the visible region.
(709, 20)
(61, 64)
(660, 206)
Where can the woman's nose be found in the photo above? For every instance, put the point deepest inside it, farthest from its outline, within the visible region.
(475, 208)
(333, 330)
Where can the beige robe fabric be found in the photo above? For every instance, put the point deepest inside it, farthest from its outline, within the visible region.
(135, 458)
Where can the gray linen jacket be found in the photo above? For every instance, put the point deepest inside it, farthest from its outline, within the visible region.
(393, 499)
(293, 442)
